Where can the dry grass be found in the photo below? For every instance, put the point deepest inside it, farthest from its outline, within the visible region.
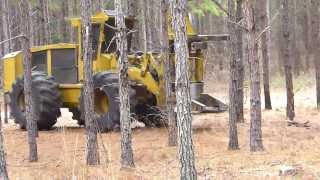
(62, 150)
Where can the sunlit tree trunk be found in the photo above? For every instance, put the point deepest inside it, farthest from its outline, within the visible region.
(184, 118)
(255, 99)
(234, 79)
(286, 58)
(263, 22)
(315, 25)
(3, 164)
(31, 121)
(126, 133)
(92, 153)
(169, 66)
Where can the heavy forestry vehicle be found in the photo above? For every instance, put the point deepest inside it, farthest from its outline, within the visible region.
(57, 77)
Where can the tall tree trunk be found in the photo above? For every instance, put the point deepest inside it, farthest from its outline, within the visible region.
(97, 6)
(295, 52)
(184, 118)
(64, 25)
(31, 121)
(263, 23)
(44, 23)
(92, 153)
(3, 164)
(315, 25)
(306, 34)
(5, 26)
(239, 64)
(126, 139)
(255, 99)
(286, 58)
(169, 66)
(234, 79)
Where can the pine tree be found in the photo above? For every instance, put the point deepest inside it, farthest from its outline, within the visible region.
(126, 139)
(234, 79)
(184, 118)
(286, 58)
(255, 99)
(92, 153)
(31, 121)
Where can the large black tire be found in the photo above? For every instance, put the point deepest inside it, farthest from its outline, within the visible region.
(108, 84)
(76, 115)
(46, 99)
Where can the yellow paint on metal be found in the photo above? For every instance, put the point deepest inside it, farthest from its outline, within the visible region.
(189, 28)
(70, 94)
(12, 69)
(53, 46)
(147, 80)
(49, 62)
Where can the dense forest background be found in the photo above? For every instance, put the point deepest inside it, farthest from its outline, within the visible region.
(208, 17)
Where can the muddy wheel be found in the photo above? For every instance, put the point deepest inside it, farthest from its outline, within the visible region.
(46, 99)
(106, 101)
(76, 115)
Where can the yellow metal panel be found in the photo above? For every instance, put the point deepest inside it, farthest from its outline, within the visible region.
(190, 30)
(49, 63)
(70, 94)
(147, 80)
(53, 46)
(9, 75)
(100, 17)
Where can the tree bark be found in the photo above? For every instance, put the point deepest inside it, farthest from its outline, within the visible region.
(184, 118)
(306, 34)
(44, 23)
(5, 26)
(286, 58)
(3, 164)
(315, 25)
(92, 153)
(234, 78)
(255, 99)
(263, 23)
(169, 66)
(31, 121)
(65, 27)
(239, 64)
(126, 139)
(295, 52)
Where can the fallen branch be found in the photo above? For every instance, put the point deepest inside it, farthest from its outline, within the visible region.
(299, 124)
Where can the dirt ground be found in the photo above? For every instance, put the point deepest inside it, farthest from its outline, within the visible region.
(61, 150)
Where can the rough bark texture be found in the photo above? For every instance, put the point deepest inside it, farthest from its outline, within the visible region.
(126, 139)
(65, 28)
(263, 23)
(45, 35)
(255, 99)
(31, 121)
(7, 46)
(239, 63)
(3, 164)
(184, 118)
(306, 35)
(315, 25)
(169, 66)
(5, 26)
(234, 79)
(92, 153)
(286, 58)
(295, 51)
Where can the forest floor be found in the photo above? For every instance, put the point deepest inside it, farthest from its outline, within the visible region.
(61, 150)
